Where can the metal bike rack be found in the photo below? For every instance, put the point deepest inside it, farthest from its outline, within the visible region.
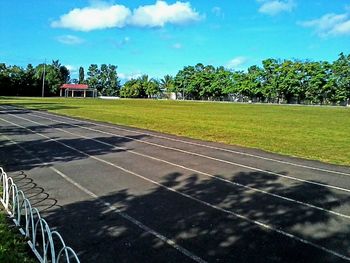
(47, 245)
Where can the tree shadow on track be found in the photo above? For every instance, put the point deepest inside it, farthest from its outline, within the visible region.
(101, 234)
(43, 129)
(236, 231)
(31, 153)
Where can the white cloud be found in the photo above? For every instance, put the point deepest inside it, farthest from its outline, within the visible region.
(129, 76)
(161, 13)
(342, 28)
(274, 7)
(69, 40)
(330, 25)
(72, 69)
(177, 46)
(237, 62)
(109, 16)
(91, 18)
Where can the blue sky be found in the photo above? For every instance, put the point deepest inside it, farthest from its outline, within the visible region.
(161, 37)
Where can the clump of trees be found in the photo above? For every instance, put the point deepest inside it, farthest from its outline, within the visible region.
(276, 81)
(17, 81)
(104, 79)
(142, 87)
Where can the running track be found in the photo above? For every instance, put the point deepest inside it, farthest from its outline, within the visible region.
(119, 194)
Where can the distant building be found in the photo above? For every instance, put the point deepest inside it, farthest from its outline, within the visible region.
(173, 95)
(77, 90)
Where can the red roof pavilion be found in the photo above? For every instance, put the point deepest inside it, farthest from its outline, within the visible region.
(76, 89)
(74, 86)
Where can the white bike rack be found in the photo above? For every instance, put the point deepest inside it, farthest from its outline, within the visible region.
(47, 245)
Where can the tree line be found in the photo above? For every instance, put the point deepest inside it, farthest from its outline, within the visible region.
(17, 81)
(29, 81)
(276, 81)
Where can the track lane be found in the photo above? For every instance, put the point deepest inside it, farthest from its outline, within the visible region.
(315, 176)
(50, 175)
(301, 198)
(270, 157)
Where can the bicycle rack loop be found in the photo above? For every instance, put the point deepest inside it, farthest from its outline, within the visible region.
(47, 245)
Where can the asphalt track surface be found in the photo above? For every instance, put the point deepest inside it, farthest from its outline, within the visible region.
(119, 194)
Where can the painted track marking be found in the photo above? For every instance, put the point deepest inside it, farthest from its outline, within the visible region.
(202, 145)
(262, 225)
(218, 160)
(113, 208)
(193, 170)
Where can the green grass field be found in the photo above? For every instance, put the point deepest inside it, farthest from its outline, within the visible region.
(319, 133)
(13, 246)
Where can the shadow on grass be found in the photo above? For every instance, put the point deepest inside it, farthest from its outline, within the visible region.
(44, 106)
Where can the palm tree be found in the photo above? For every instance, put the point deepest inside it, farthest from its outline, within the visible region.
(150, 86)
(167, 84)
(56, 64)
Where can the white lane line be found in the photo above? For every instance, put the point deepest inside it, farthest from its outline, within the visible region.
(113, 208)
(209, 157)
(190, 169)
(204, 145)
(262, 225)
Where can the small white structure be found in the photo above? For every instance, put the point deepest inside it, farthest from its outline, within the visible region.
(109, 97)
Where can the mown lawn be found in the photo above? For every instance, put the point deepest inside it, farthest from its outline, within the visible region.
(319, 133)
(13, 246)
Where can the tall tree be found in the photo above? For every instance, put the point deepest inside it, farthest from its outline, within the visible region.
(206, 75)
(55, 76)
(317, 90)
(81, 75)
(150, 86)
(271, 83)
(289, 84)
(108, 80)
(223, 82)
(64, 74)
(32, 87)
(184, 83)
(133, 89)
(5, 79)
(56, 64)
(93, 76)
(167, 84)
(341, 78)
(113, 81)
(103, 79)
